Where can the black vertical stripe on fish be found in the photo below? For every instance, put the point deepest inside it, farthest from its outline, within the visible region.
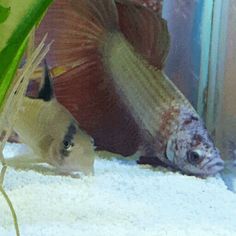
(70, 132)
(68, 139)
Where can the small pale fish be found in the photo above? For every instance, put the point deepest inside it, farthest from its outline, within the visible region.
(53, 134)
(116, 50)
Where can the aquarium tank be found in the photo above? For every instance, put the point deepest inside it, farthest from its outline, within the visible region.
(117, 117)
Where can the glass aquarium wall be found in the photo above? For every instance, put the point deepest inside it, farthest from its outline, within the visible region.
(226, 117)
(202, 62)
(184, 20)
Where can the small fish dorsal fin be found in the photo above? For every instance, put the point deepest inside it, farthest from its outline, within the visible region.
(145, 30)
(46, 92)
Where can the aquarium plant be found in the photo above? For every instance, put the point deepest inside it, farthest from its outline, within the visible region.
(17, 20)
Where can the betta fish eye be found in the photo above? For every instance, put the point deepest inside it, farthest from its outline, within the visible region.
(194, 157)
(67, 145)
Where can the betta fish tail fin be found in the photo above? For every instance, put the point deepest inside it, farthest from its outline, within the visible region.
(79, 28)
(100, 18)
(101, 14)
(146, 31)
(83, 82)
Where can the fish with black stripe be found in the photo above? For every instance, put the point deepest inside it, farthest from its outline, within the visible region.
(52, 133)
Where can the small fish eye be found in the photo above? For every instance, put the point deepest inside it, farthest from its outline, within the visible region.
(194, 157)
(67, 145)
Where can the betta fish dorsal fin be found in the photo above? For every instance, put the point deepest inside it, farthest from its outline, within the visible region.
(46, 92)
(145, 30)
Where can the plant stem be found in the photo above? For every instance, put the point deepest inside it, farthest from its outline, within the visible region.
(11, 209)
(3, 171)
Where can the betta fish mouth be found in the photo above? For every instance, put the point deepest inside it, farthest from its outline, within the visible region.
(214, 166)
(209, 168)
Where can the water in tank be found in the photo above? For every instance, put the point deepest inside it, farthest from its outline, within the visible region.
(122, 115)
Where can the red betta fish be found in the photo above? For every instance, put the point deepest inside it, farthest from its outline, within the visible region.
(117, 90)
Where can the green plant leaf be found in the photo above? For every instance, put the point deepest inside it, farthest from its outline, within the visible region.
(4, 13)
(17, 20)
